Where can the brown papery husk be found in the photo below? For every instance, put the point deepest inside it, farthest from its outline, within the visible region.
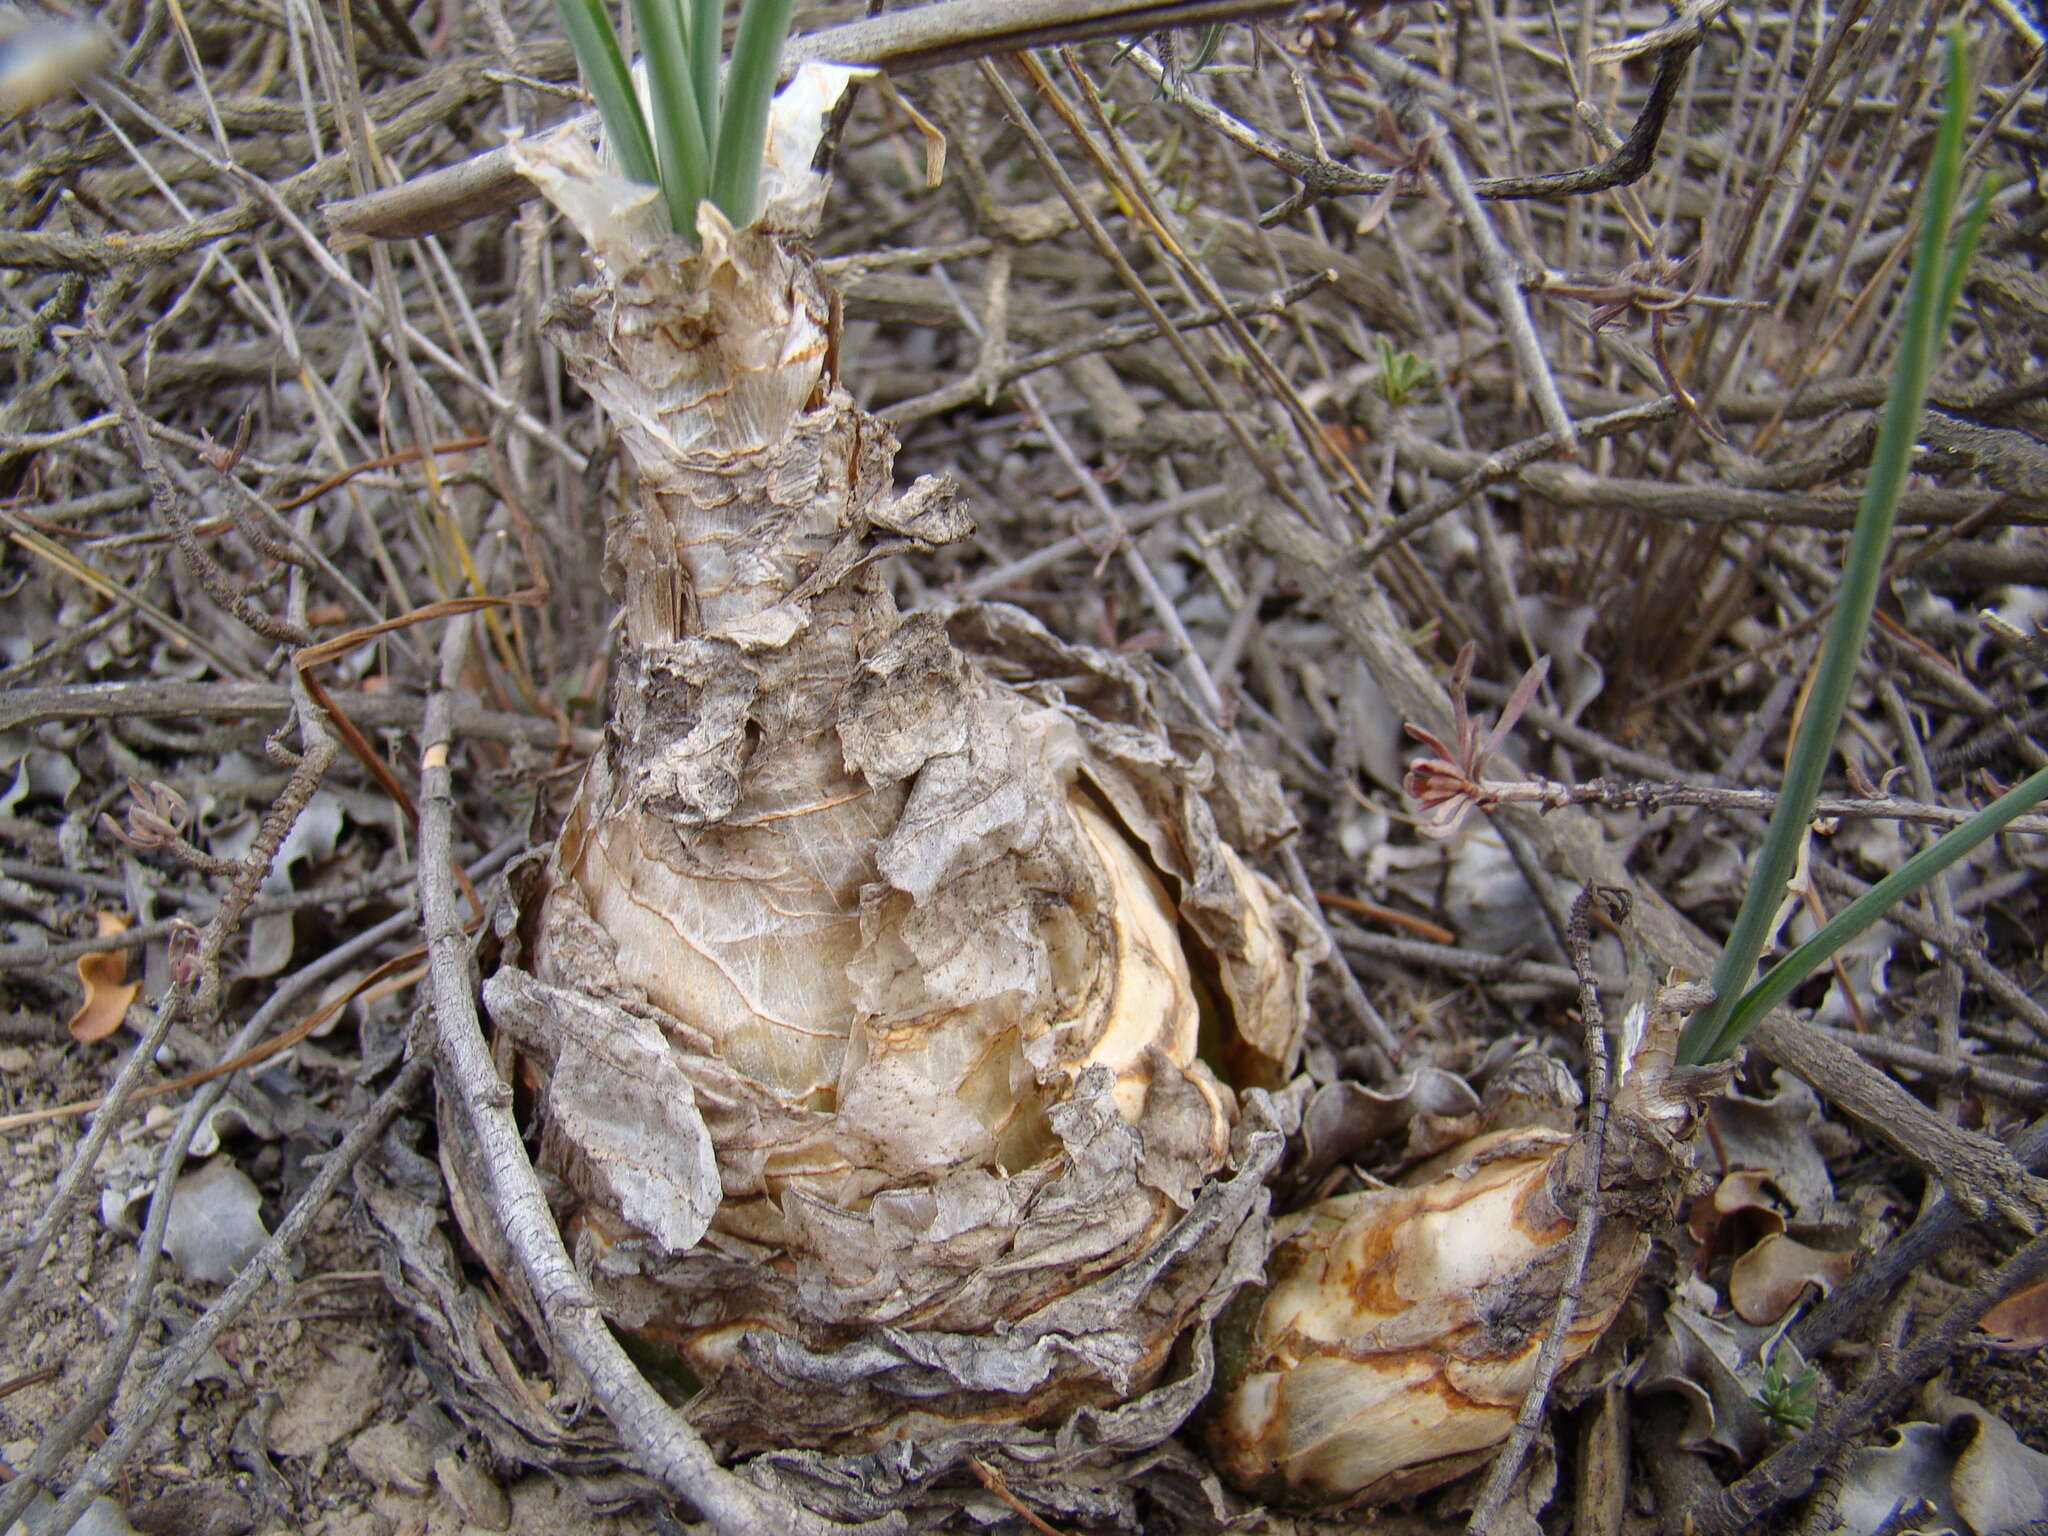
(1397, 1335)
(894, 1020)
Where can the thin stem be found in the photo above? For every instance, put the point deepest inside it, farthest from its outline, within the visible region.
(596, 47)
(1500, 1480)
(743, 122)
(1710, 1034)
(679, 139)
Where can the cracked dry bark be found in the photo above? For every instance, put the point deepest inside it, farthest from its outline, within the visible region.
(899, 1022)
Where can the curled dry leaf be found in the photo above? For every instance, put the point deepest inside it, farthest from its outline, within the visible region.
(1769, 1279)
(1910, 1471)
(2021, 1320)
(1969, 1474)
(2000, 1483)
(1778, 1136)
(1736, 1215)
(1717, 1367)
(465, 1329)
(108, 992)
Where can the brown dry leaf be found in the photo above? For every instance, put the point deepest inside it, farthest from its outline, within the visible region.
(1771, 1277)
(2021, 1320)
(2000, 1483)
(108, 992)
(1714, 1366)
(1738, 1214)
(1779, 1134)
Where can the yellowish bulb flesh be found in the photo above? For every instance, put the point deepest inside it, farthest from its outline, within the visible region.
(1399, 1331)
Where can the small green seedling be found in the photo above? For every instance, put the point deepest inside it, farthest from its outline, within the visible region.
(1175, 71)
(1402, 377)
(1940, 259)
(1788, 1401)
(1178, 70)
(699, 137)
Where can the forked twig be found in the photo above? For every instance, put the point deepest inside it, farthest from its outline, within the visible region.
(965, 391)
(1503, 464)
(1320, 177)
(1106, 244)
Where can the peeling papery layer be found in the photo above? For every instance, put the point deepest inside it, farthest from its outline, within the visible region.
(1095, 1360)
(1261, 945)
(1090, 1470)
(932, 919)
(896, 1024)
(1086, 1458)
(622, 221)
(949, 1109)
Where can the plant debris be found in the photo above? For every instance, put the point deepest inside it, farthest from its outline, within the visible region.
(1302, 377)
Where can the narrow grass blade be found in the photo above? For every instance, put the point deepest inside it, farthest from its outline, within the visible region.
(743, 122)
(596, 47)
(1707, 1036)
(1788, 973)
(679, 139)
(1964, 246)
(707, 47)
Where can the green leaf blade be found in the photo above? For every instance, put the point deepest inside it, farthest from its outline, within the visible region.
(743, 120)
(707, 46)
(679, 139)
(1931, 287)
(1779, 982)
(596, 47)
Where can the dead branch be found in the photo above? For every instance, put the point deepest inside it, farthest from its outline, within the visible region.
(170, 699)
(1322, 177)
